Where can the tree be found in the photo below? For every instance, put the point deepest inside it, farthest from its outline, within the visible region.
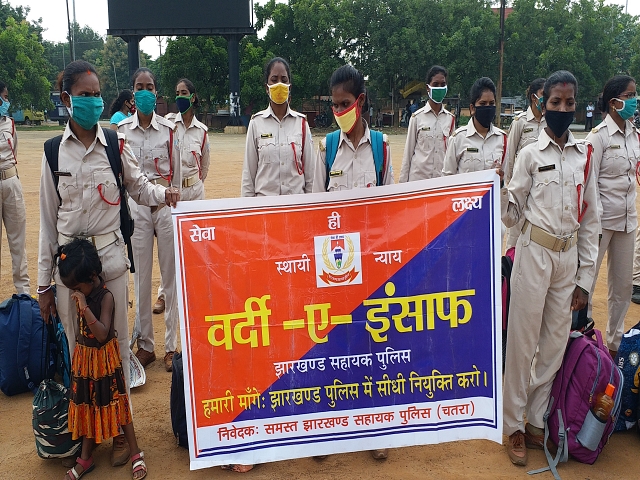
(86, 39)
(253, 59)
(23, 66)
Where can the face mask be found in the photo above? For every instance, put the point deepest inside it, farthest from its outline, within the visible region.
(558, 122)
(347, 119)
(86, 111)
(485, 115)
(184, 103)
(629, 108)
(539, 102)
(4, 108)
(145, 101)
(437, 94)
(132, 109)
(279, 93)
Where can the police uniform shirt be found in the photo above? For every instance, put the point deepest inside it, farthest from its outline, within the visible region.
(275, 160)
(615, 157)
(194, 146)
(353, 167)
(427, 138)
(524, 129)
(152, 147)
(89, 197)
(544, 189)
(8, 143)
(468, 151)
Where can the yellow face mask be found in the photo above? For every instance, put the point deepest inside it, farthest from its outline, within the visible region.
(279, 92)
(347, 119)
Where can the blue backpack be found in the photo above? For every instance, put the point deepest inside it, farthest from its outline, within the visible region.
(379, 154)
(26, 356)
(628, 359)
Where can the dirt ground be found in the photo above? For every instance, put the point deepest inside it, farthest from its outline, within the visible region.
(459, 460)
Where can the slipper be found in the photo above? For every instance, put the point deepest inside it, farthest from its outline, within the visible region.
(120, 452)
(87, 466)
(236, 467)
(138, 465)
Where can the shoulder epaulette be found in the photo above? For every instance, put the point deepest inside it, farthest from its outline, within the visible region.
(323, 145)
(166, 122)
(596, 128)
(458, 130)
(500, 130)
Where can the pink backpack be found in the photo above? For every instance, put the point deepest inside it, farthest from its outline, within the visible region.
(586, 370)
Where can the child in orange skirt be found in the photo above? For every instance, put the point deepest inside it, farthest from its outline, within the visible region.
(98, 403)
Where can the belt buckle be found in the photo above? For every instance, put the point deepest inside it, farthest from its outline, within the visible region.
(566, 241)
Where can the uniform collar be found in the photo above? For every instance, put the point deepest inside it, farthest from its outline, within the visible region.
(268, 112)
(69, 133)
(471, 129)
(530, 116)
(427, 108)
(544, 140)
(136, 122)
(612, 127)
(194, 122)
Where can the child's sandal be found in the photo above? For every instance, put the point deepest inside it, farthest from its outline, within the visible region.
(138, 465)
(87, 466)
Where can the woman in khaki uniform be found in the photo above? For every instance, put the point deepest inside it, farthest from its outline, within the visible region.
(616, 153)
(278, 158)
(86, 204)
(479, 145)
(14, 214)
(552, 189)
(428, 133)
(524, 129)
(155, 144)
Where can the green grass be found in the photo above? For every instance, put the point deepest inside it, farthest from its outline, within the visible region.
(39, 128)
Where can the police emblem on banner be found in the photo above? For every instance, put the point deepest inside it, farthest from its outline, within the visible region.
(338, 260)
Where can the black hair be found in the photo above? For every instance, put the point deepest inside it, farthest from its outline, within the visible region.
(534, 86)
(116, 105)
(70, 74)
(271, 63)
(561, 76)
(192, 89)
(2, 86)
(479, 87)
(139, 72)
(78, 261)
(612, 89)
(435, 70)
(350, 79)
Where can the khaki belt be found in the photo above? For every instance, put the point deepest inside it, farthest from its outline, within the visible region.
(190, 181)
(556, 243)
(8, 173)
(99, 241)
(160, 181)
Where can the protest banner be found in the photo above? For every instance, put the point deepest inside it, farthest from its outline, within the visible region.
(335, 322)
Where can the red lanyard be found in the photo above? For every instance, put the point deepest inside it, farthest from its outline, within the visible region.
(107, 201)
(168, 179)
(299, 166)
(12, 150)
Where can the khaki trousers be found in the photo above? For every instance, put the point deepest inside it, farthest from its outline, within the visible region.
(636, 260)
(146, 223)
(116, 277)
(619, 248)
(14, 217)
(194, 192)
(542, 286)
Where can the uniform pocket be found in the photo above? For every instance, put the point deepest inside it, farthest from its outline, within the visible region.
(70, 195)
(160, 158)
(190, 152)
(614, 163)
(267, 150)
(105, 190)
(425, 139)
(340, 182)
(546, 189)
(470, 162)
(114, 259)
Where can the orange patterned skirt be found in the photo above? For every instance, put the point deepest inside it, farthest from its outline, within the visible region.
(98, 403)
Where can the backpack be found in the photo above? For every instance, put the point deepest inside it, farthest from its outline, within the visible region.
(50, 422)
(628, 360)
(379, 154)
(507, 267)
(25, 353)
(51, 150)
(177, 405)
(586, 370)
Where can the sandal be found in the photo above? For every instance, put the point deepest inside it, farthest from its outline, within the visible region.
(87, 466)
(236, 467)
(138, 465)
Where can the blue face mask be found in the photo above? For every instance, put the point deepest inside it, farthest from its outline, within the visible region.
(145, 101)
(86, 111)
(629, 108)
(539, 102)
(4, 108)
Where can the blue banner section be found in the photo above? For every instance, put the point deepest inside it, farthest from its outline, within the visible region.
(436, 343)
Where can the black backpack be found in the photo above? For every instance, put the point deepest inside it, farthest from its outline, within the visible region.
(178, 410)
(114, 149)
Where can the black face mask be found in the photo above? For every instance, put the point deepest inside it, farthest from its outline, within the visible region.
(485, 115)
(558, 122)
